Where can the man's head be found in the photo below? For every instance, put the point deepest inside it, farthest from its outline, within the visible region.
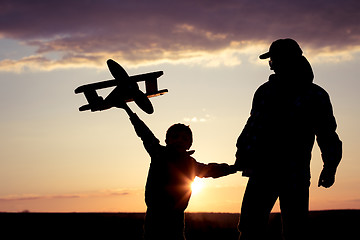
(179, 136)
(283, 48)
(284, 54)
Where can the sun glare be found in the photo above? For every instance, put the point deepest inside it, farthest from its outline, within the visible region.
(197, 185)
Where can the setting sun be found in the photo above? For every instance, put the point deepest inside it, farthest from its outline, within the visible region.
(197, 185)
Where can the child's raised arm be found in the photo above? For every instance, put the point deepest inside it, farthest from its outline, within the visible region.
(150, 142)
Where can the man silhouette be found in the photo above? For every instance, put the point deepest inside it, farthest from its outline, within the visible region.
(274, 148)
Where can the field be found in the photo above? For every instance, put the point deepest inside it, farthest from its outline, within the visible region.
(328, 225)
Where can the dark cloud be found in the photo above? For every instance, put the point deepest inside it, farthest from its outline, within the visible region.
(148, 30)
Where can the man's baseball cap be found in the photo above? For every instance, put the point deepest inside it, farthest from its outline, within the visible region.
(284, 48)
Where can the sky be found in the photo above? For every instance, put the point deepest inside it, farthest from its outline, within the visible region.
(54, 158)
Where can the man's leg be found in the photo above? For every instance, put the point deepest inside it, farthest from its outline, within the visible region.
(294, 205)
(259, 198)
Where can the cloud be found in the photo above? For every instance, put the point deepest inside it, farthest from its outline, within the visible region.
(195, 119)
(204, 117)
(105, 193)
(141, 32)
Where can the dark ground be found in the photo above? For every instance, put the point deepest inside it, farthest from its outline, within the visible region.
(327, 225)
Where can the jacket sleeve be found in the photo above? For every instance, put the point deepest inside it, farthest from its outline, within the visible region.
(214, 170)
(248, 139)
(326, 136)
(151, 143)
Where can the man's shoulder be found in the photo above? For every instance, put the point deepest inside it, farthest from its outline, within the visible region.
(264, 87)
(272, 81)
(316, 87)
(318, 91)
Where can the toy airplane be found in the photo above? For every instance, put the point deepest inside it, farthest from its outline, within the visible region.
(126, 90)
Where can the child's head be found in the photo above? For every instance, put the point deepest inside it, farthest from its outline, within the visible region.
(179, 136)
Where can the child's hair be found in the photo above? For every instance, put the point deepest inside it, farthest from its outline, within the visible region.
(176, 128)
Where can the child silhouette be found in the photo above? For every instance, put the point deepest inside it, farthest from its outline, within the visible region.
(171, 172)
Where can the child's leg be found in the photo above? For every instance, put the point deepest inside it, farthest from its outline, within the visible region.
(162, 225)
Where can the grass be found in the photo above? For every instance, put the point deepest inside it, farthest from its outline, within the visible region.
(329, 225)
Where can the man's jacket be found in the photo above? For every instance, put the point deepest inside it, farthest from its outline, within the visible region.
(287, 116)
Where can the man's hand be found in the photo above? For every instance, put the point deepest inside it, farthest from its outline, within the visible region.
(327, 178)
(233, 169)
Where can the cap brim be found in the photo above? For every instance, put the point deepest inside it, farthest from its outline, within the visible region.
(264, 56)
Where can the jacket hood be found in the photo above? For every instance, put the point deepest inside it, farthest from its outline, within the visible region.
(298, 73)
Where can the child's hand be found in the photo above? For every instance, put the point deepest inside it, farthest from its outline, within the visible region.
(219, 170)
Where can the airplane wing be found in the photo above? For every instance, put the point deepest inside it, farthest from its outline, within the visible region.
(114, 82)
(97, 85)
(150, 83)
(146, 76)
(150, 95)
(155, 94)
